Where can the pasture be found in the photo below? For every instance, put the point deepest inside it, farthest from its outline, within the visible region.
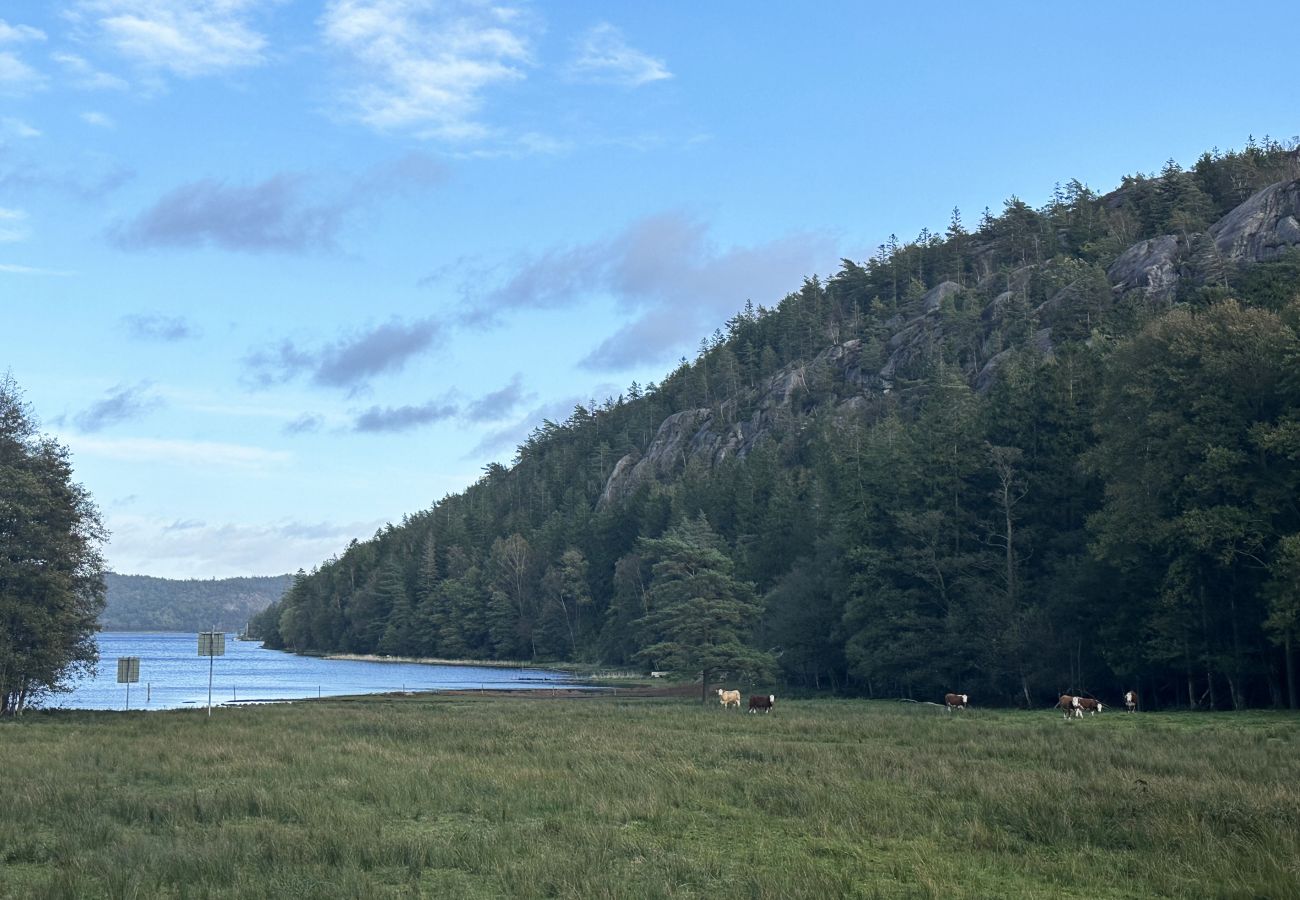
(453, 796)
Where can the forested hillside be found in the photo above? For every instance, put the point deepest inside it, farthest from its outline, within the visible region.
(1055, 449)
(144, 603)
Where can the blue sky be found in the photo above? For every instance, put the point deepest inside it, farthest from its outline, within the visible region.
(279, 272)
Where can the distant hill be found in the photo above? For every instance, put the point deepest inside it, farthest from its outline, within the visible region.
(144, 603)
(1056, 451)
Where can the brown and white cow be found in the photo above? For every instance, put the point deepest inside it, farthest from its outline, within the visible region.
(1070, 705)
(729, 698)
(955, 701)
(764, 703)
(1131, 701)
(1090, 705)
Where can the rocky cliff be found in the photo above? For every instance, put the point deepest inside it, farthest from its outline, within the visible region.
(857, 377)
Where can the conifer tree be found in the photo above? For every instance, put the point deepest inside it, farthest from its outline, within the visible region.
(699, 615)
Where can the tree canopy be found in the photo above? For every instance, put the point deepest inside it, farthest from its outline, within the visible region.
(51, 571)
(973, 461)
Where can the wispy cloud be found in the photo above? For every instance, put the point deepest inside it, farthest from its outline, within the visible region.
(90, 186)
(275, 215)
(13, 226)
(18, 128)
(425, 64)
(166, 547)
(13, 269)
(97, 119)
(603, 56)
(307, 423)
(158, 327)
(666, 272)
(496, 405)
(178, 452)
(350, 361)
(122, 404)
(14, 34)
(183, 37)
(16, 77)
(289, 212)
(85, 76)
(403, 418)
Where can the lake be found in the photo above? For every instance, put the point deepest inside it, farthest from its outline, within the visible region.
(174, 676)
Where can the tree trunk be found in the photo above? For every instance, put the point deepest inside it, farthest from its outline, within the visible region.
(1290, 672)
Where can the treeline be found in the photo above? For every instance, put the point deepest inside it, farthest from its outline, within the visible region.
(145, 603)
(1048, 487)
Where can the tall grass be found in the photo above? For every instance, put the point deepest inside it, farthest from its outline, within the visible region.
(487, 797)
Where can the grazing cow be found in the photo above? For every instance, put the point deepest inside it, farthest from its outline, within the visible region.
(729, 698)
(955, 701)
(1091, 705)
(1131, 701)
(1070, 704)
(760, 702)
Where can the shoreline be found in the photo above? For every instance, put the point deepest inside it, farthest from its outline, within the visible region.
(576, 669)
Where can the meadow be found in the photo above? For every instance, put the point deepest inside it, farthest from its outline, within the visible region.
(461, 796)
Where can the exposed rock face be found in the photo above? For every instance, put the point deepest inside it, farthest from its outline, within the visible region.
(1153, 266)
(934, 297)
(1262, 228)
(700, 435)
(1041, 341)
(852, 382)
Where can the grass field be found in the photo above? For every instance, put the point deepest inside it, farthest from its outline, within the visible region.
(448, 796)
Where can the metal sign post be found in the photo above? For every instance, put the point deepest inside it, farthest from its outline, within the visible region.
(211, 644)
(128, 672)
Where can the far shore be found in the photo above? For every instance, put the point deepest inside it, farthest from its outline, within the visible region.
(577, 668)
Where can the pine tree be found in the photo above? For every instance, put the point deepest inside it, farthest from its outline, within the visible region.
(699, 615)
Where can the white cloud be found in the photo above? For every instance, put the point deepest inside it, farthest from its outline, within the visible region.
(16, 76)
(12, 227)
(97, 119)
(165, 547)
(13, 34)
(86, 76)
(13, 269)
(178, 452)
(188, 38)
(18, 128)
(424, 64)
(604, 57)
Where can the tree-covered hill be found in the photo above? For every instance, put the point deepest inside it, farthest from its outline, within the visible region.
(144, 603)
(1058, 450)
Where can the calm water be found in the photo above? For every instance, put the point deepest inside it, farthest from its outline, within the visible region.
(173, 675)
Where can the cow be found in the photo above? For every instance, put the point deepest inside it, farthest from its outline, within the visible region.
(955, 701)
(729, 698)
(764, 703)
(1070, 704)
(1131, 701)
(1092, 706)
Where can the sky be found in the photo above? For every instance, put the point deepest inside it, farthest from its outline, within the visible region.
(281, 272)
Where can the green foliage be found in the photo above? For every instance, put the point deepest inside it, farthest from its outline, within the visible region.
(51, 572)
(1015, 486)
(698, 615)
(145, 603)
